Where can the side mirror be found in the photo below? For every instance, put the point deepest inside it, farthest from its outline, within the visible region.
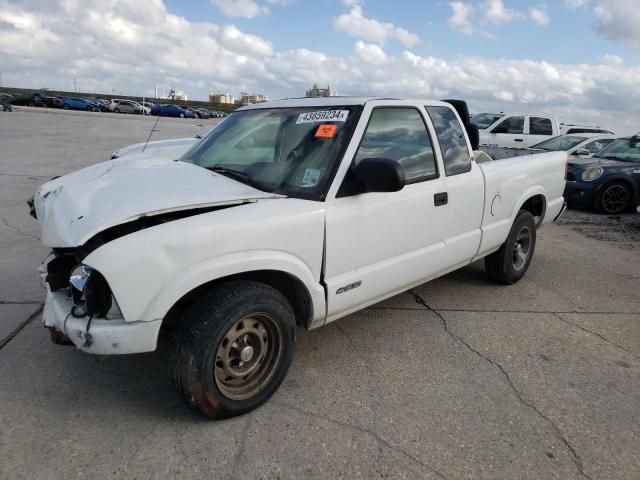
(583, 152)
(500, 129)
(380, 175)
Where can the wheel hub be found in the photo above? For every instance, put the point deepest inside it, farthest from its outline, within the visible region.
(246, 353)
(521, 248)
(247, 357)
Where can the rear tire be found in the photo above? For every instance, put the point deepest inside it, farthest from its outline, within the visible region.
(65, 107)
(116, 110)
(512, 260)
(233, 348)
(614, 198)
(181, 115)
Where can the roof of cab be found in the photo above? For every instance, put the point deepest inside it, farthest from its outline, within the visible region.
(314, 102)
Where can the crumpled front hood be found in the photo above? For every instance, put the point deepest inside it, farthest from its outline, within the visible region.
(73, 208)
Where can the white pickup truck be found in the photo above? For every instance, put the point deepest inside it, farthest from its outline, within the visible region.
(295, 212)
(515, 130)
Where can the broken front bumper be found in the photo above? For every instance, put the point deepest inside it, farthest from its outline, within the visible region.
(101, 336)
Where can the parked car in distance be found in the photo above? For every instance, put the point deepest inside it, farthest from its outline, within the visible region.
(485, 120)
(100, 103)
(517, 130)
(125, 106)
(583, 145)
(202, 113)
(75, 103)
(148, 107)
(609, 181)
(36, 100)
(570, 129)
(168, 110)
(273, 222)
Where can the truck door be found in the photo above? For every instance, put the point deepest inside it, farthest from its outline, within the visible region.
(464, 183)
(378, 244)
(508, 133)
(540, 129)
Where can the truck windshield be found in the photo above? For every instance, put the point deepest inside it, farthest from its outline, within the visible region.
(623, 149)
(561, 143)
(292, 151)
(485, 120)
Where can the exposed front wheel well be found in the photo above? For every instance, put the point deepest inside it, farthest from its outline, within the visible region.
(536, 206)
(291, 287)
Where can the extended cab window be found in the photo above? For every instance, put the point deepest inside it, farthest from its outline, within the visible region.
(540, 126)
(453, 144)
(399, 134)
(512, 125)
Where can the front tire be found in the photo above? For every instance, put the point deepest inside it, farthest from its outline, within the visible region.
(181, 115)
(614, 198)
(512, 260)
(233, 348)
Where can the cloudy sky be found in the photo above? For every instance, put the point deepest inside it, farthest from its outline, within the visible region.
(578, 59)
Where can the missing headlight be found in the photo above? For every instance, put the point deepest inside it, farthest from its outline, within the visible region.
(90, 291)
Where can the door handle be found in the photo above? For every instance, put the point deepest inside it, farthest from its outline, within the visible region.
(440, 199)
(518, 139)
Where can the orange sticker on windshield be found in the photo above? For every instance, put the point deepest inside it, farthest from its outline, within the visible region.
(326, 131)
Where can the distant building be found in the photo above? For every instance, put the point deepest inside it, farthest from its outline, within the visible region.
(316, 91)
(250, 98)
(221, 98)
(177, 95)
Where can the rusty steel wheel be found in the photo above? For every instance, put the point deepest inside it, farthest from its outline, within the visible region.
(248, 356)
(233, 348)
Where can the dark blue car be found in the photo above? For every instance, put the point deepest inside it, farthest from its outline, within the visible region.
(171, 111)
(609, 181)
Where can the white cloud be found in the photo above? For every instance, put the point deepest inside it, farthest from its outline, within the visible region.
(612, 59)
(497, 13)
(357, 25)
(576, 3)
(619, 21)
(240, 8)
(539, 15)
(131, 47)
(369, 52)
(461, 18)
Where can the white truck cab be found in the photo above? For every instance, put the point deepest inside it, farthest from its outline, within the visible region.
(289, 213)
(517, 130)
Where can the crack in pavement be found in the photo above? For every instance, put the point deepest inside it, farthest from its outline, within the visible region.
(20, 302)
(595, 334)
(556, 293)
(20, 326)
(366, 431)
(12, 227)
(577, 460)
(243, 446)
(479, 310)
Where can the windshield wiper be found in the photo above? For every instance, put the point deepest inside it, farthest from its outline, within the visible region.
(238, 175)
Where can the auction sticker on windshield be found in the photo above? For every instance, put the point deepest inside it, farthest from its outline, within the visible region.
(323, 116)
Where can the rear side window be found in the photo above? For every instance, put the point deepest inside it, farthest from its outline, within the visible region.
(400, 134)
(513, 125)
(540, 126)
(453, 144)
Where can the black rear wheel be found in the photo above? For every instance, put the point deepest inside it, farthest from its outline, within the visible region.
(511, 261)
(614, 198)
(233, 348)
